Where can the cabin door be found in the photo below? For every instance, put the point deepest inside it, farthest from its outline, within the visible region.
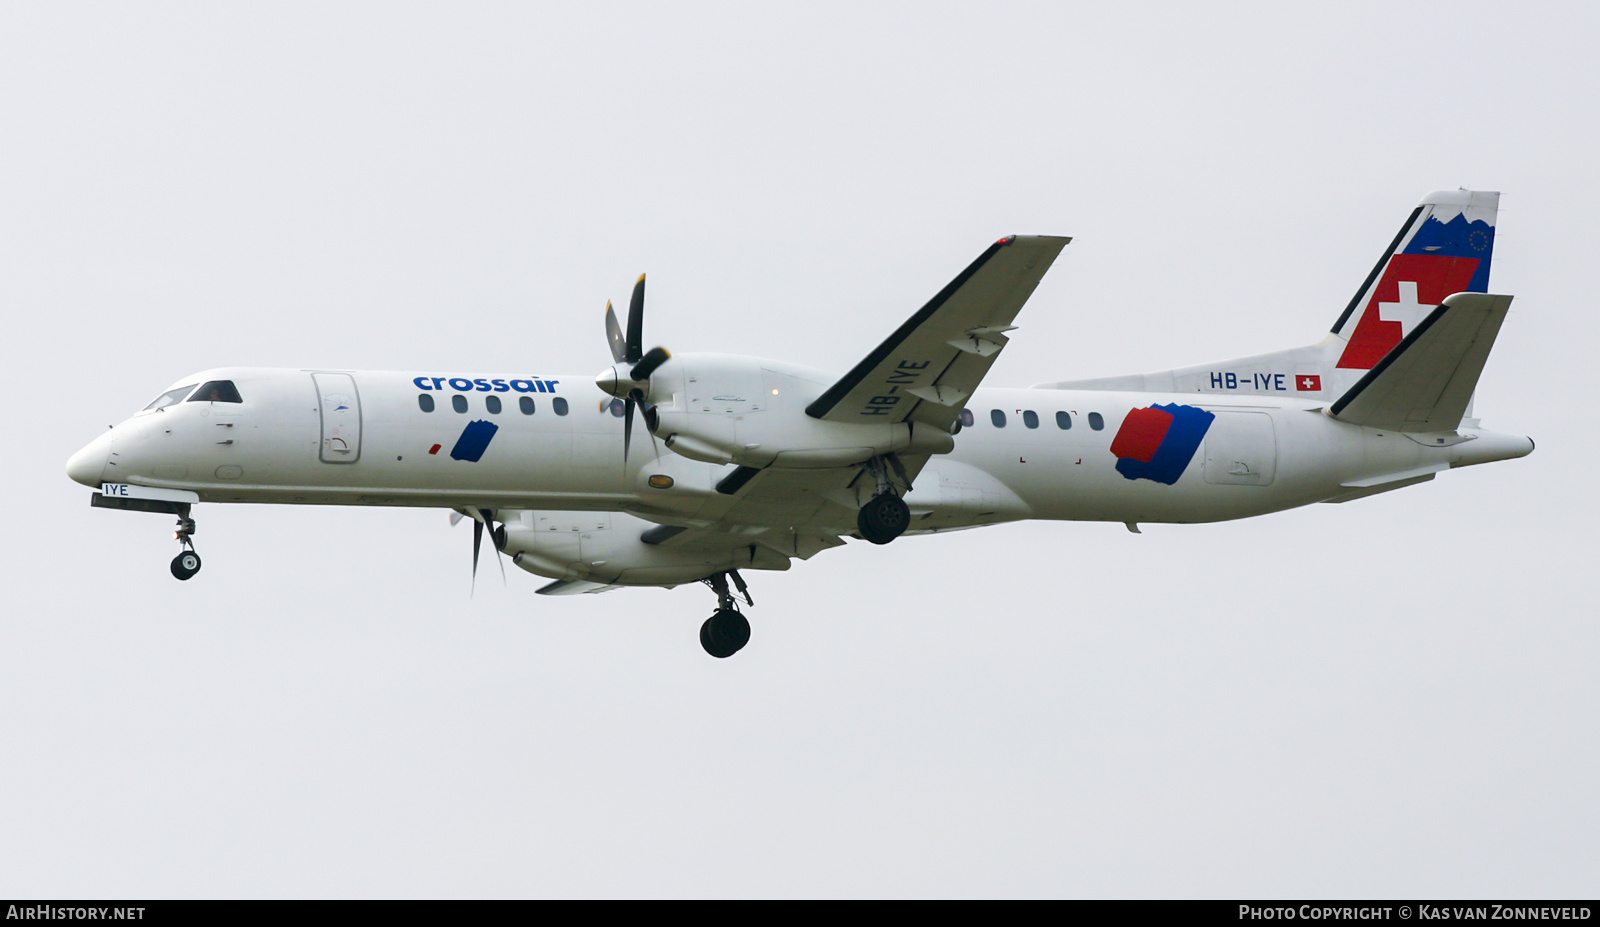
(339, 405)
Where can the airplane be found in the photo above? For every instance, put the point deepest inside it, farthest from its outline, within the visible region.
(753, 463)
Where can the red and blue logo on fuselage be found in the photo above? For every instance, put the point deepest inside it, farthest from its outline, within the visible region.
(1157, 443)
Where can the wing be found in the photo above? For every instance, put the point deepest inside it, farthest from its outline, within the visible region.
(749, 546)
(793, 513)
(931, 364)
(796, 513)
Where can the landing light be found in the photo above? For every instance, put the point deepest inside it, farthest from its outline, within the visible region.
(660, 481)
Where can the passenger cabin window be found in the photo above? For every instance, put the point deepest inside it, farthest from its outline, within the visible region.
(966, 418)
(1063, 421)
(998, 418)
(493, 404)
(560, 405)
(618, 407)
(168, 398)
(1096, 422)
(425, 402)
(526, 405)
(458, 403)
(216, 391)
(1030, 418)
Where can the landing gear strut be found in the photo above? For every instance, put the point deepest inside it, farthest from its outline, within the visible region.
(885, 516)
(727, 630)
(187, 563)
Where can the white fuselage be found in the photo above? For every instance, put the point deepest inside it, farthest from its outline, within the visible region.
(282, 444)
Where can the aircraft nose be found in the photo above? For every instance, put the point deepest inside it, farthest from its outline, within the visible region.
(89, 464)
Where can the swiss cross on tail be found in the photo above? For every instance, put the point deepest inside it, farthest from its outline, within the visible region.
(1451, 240)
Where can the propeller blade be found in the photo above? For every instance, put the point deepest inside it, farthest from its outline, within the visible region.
(627, 426)
(497, 541)
(648, 364)
(477, 539)
(635, 323)
(619, 347)
(651, 422)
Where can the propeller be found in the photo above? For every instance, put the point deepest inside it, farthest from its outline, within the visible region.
(480, 518)
(627, 348)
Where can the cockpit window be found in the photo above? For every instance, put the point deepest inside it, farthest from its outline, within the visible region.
(216, 391)
(168, 398)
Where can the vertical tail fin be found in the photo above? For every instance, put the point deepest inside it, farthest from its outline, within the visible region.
(1444, 247)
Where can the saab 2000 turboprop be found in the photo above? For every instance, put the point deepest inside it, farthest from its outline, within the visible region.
(752, 463)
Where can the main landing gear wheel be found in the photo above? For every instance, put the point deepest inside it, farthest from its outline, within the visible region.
(884, 518)
(725, 633)
(186, 564)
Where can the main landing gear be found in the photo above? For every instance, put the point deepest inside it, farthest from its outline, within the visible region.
(885, 516)
(187, 563)
(727, 630)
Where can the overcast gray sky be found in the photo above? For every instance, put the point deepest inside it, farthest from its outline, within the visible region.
(1394, 697)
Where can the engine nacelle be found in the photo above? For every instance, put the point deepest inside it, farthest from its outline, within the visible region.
(724, 408)
(608, 547)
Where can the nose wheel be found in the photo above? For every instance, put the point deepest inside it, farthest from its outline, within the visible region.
(187, 563)
(727, 630)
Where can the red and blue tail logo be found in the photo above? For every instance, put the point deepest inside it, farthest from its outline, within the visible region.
(1440, 259)
(1157, 443)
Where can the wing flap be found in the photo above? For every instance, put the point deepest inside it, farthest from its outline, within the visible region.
(945, 349)
(1426, 382)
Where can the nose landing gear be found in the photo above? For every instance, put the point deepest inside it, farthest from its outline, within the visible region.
(727, 630)
(187, 563)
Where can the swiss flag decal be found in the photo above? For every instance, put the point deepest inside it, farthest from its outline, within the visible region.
(1411, 286)
(1308, 383)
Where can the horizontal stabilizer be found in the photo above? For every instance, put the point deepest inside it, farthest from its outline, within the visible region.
(1426, 382)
